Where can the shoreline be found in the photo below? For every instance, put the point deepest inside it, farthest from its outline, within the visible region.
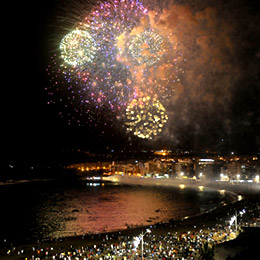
(204, 220)
(201, 222)
(180, 226)
(230, 197)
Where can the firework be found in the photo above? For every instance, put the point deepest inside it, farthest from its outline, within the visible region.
(147, 48)
(112, 18)
(78, 48)
(161, 79)
(145, 117)
(83, 97)
(153, 61)
(114, 63)
(109, 20)
(89, 54)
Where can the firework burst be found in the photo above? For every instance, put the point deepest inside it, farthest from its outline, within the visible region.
(114, 62)
(145, 117)
(78, 48)
(147, 48)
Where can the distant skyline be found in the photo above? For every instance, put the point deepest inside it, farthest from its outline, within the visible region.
(215, 107)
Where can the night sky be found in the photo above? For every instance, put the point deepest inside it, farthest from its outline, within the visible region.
(216, 106)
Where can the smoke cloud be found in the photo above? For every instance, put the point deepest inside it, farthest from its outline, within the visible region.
(217, 99)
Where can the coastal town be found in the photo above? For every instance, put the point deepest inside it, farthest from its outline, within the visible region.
(227, 232)
(165, 164)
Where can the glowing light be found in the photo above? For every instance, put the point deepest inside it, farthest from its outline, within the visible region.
(206, 160)
(224, 177)
(110, 19)
(232, 220)
(182, 186)
(162, 152)
(222, 192)
(147, 47)
(78, 47)
(136, 242)
(145, 117)
(108, 55)
(201, 188)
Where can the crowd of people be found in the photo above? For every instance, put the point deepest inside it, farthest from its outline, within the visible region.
(185, 245)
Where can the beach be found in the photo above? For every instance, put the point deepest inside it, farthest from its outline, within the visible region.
(212, 226)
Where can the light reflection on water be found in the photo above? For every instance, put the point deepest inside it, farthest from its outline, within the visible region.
(64, 209)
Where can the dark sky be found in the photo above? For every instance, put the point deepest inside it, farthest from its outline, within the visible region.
(215, 108)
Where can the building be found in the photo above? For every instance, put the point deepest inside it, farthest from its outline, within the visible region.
(207, 168)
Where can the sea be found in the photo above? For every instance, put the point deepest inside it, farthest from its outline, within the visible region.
(47, 209)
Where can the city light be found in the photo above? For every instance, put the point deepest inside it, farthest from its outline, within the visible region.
(224, 177)
(206, 160)
(201, 188)
(222, 192)
(166, 165)
(239, 197)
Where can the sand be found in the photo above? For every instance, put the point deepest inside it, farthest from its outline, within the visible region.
(204, 221)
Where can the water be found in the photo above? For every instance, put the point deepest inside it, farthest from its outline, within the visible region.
(40, 210)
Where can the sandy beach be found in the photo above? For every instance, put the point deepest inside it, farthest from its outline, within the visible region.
(213, 220)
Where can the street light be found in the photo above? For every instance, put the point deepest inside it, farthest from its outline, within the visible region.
(234, 218)
(141, 238)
